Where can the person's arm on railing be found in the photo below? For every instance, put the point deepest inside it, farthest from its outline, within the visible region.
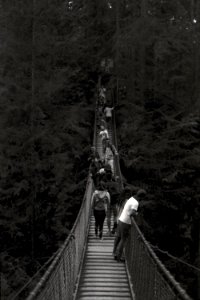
(134, 213)
(114, 150)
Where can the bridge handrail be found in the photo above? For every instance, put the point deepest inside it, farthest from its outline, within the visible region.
(76, 242)
(114, 131)
(71, 255)
(95, 127)
(163, 283)
(155, 281)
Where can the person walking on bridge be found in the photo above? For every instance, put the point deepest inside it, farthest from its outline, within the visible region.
(93, 154)
(113, 187)
(108, 113)
(102, 94)
(95, 166)
(110, 153)
(100, 206)
(104, 136)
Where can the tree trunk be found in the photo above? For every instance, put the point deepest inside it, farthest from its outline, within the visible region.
(197, 60)
(142, 56)
(143, 8)
(117, 51)
(195, 54)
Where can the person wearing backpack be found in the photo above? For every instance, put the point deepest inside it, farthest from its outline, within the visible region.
(100, 206)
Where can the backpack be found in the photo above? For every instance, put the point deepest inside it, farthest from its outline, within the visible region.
(100, 201)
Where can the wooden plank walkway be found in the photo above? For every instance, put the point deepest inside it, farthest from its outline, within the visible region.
(102, 277)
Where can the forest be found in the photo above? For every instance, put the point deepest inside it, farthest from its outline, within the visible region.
(50, 61)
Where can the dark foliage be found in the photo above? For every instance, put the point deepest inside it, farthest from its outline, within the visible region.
(159, 128)
(50, 56)
(46, 129)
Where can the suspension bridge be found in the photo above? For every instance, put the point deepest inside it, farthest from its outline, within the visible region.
(84, 268)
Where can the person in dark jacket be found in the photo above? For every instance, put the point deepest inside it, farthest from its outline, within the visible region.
(113, 188)
(95, 166)
(93, 154)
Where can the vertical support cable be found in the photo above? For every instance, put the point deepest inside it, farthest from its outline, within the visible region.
(117, 51)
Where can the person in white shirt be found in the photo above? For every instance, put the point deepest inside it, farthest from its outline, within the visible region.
(110, 153)
(108, 113)
(104, 136)
(124, 225)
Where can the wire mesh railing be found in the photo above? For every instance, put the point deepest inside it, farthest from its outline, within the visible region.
(149, 277)
(117, 163)
(59, 280)
(114, 132)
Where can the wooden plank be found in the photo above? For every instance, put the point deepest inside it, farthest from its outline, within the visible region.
(108, 283)
(104, 297)
(106, 293)
(105, 276)
(93, 280)
(104, 271)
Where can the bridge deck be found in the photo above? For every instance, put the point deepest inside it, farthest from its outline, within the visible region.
(102, 277)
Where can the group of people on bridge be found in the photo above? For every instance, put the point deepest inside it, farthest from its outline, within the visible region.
(104, 106)
(108, 196)
(107, 191)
